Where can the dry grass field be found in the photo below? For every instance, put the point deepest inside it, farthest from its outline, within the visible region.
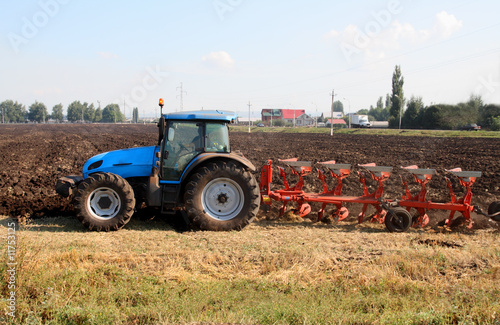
(272, 272)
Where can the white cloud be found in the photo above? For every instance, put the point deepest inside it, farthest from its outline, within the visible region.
(47, 91)
(446, 24)
(374, 40)
(219, 59)
(108, 55)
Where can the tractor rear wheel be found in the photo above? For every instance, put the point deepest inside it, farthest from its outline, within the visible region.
(398, 220)
(222, 196)
(104, 202)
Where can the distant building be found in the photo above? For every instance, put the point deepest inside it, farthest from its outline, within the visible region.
(336, 122)
(244, 120)
(291, 115)
(304, 120)
(288, 115)
(326, 115)
(269, 114)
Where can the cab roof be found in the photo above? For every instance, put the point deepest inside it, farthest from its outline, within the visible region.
(216, 115)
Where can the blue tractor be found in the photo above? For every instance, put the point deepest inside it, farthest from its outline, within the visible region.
(191, 171)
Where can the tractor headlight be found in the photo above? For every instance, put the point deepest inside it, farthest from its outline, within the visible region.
(95, 164)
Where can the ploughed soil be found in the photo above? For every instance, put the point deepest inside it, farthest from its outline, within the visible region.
(33, 157)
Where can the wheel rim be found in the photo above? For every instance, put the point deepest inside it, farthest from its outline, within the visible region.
(104, 203)
(222, 199)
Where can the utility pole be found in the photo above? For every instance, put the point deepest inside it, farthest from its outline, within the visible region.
(331, 120)
(349, 113)
(249, 105)
(124, 115)
(181, 96)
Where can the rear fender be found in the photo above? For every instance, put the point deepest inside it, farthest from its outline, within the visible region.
(206, 157)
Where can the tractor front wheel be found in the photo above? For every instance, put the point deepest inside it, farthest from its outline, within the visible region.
(222, 196)
(104, 202)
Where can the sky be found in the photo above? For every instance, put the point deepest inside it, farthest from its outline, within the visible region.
(228, 54)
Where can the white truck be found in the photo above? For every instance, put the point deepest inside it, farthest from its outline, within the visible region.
(360, 121)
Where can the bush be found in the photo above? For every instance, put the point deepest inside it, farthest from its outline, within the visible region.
(495, 124)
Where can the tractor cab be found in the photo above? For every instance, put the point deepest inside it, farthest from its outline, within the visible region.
(184, 140)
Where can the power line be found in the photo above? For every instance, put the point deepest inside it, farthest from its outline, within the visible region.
(182, 92)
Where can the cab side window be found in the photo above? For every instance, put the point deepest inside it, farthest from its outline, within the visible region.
(217, 137)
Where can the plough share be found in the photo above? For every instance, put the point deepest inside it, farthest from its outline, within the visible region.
(394, 213)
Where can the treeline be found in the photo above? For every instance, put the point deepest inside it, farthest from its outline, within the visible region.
(14, 112)
(437, 116)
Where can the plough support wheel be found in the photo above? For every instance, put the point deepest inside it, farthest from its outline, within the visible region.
(398, 220)
(494, 208)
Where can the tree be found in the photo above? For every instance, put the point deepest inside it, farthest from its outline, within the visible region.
(57, 113)
(88, 112)
(380, 103)
(388, 102)
(489, 114)
(338, 106)
(495, 124)
(410, 117)
(38, 112)
(135, 115)
(397, 97)
(431, 117)
(75, 111)
(379, 113)
(111, 114)
(98, 115)
(278, 122)
(12, 112)
(81, 112)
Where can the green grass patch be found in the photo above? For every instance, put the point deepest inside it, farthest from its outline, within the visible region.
(373, 131)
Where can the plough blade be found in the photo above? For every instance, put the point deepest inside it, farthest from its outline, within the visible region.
(400, 217)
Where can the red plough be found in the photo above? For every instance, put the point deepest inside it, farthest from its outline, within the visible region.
(394, 213)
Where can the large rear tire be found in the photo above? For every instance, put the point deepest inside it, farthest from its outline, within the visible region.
(222, 196)
(104, 202)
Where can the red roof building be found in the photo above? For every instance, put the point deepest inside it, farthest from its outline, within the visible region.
(336, 121)
(290, 114)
